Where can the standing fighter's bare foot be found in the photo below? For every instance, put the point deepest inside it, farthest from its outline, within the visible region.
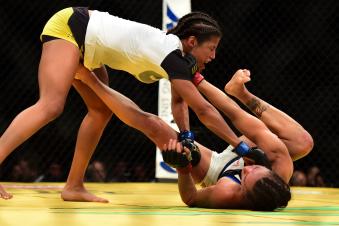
(236, 86)
(4, 194)
(80, 194)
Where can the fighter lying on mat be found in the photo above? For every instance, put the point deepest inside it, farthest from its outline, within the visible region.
(227, 179)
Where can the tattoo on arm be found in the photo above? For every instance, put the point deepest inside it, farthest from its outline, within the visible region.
(256, 107)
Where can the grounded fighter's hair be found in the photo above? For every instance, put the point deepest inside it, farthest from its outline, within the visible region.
(269, 193)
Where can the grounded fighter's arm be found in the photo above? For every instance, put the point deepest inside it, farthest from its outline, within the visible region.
(225, 194)
(221, 195)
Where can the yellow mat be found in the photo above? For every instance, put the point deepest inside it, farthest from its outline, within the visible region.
(147, 204)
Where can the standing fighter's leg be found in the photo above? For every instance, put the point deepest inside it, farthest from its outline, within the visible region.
(151, 125)
(59, 61)
(298, 141)
(128, 112)
(89, 135)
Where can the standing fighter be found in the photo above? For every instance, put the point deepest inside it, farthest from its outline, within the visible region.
(77, 38)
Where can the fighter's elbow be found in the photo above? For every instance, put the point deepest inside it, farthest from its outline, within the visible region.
(189, 200)
(302, 145)
(190, 203)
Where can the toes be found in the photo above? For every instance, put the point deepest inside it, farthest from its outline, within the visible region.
(81, 196)
(102, 200)
(6, 196)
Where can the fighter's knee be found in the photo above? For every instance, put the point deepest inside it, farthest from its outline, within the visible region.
(150, 124)
(51, 110)
(101, 111)
(153, 124)
(55, 111)
(102, 114)
(305, 146)
(307, 142)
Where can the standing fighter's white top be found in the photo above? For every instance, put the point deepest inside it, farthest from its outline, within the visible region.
(129, 46)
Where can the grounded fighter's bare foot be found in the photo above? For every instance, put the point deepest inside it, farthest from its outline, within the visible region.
(80, 195)
(4, 194)
(236, 86)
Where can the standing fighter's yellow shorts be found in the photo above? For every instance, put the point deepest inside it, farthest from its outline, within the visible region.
(69, 24)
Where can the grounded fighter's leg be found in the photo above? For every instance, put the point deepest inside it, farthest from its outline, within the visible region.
(298, 141)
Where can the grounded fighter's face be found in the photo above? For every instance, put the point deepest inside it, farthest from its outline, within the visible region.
(251, 174)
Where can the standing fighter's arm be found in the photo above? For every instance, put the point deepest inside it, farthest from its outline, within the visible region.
(206, 113)
(179, 69)
(180, 111)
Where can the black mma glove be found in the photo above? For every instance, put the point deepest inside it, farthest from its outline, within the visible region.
(181, 160)
(194, 150)
(255, 154)
(175, 159)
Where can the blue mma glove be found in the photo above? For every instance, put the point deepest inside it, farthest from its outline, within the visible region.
(186, 135)
(255, 154)
(242, 149)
